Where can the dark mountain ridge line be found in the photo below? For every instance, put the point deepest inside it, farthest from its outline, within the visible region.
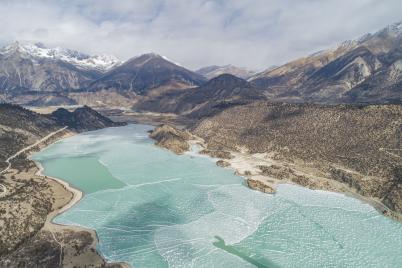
(223, 91)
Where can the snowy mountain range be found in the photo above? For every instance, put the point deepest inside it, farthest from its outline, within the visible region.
(365, 70)
(80, 60)
(33, 74)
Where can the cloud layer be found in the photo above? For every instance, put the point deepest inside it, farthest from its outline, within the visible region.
(196, 33)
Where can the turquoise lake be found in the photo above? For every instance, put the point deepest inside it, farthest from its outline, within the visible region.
(152, 208)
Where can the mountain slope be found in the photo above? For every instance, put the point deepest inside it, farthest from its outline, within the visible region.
(144, 73)
(357, 146)
(384, 85)
(33, 68)
(214, 71)
(20, 126)
(363, 70)
(223, 91)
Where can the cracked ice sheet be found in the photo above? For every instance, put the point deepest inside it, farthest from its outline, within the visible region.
(317, 228)
(236, 215)
(173, 207)
(145, 222)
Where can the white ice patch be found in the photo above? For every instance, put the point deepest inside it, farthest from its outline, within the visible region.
(237, 214)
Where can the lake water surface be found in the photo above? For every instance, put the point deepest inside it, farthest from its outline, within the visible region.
(152, 208)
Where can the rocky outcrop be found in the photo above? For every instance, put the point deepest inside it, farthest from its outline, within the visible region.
(222, 163)
(261, 186)
(217, 154)
(171, 138)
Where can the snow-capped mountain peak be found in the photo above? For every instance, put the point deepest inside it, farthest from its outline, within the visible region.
(78, 59)
(396, 28)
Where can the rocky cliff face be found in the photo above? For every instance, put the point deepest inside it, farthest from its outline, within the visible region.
(359, 146)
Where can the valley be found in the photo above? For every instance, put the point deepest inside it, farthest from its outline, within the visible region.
(365, 70)
(271, 160)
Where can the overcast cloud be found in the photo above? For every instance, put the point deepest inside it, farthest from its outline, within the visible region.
(196, 33)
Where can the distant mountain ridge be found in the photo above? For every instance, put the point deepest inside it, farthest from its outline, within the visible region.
(364, 70)
(32, 74)
(218, 93)
(80, 60)
(213, 71)
(25, 68)
(146, 72)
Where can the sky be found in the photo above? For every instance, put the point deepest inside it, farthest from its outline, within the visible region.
(195, 33)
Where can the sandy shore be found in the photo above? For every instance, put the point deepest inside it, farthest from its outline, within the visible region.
(77, 194)
(73, 195)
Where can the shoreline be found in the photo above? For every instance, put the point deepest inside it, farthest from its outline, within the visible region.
(241, 164)
(77, 195)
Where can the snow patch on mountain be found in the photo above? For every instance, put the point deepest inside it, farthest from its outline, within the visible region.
(396, 29)
(167, 59)
(78, 59)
